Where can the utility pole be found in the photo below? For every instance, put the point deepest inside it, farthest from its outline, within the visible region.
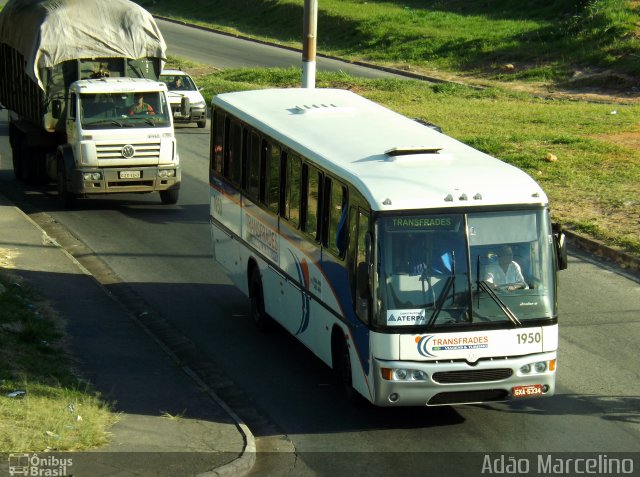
(310, 34)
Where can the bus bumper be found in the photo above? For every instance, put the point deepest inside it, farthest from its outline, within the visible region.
(447, 383)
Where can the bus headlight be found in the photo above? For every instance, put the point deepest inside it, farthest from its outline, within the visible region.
(538, 367)
(402, 374)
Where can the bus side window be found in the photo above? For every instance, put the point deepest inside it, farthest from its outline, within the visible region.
(293, 170)
(272, 177)
(359, 222)
(312, 179)
(253, 165)
(233, 140)
(336, 213)
(218, 141)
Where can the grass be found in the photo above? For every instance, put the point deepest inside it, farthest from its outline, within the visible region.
(593, 185)
(548, 41)
(507, 45)
(43, 405)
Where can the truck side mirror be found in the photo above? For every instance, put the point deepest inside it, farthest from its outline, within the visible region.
(560, 242)
(362, 280)
(56, 109)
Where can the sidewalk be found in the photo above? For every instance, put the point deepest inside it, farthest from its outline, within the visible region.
(131, 370)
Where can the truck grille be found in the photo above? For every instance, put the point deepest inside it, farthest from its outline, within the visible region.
(141, 151)
(472, 376)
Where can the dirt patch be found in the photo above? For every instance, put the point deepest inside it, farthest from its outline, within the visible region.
(629, 139)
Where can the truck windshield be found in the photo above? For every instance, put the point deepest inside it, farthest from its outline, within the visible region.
(464, 270)
(109, 110)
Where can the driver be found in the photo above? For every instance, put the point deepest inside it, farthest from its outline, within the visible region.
(506, 272)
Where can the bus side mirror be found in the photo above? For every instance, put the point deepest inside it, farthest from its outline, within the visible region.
(362, 280)
(560, 242)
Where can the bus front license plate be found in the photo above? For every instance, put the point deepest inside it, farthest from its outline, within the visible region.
(129, 174)
(527, 391)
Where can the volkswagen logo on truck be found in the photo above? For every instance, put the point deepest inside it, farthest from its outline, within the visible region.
(128, 151)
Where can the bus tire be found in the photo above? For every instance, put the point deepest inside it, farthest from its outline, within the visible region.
(342, 368)
(256, 297)
(202, 124)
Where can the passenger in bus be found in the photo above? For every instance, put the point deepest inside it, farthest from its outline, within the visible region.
(505, 273)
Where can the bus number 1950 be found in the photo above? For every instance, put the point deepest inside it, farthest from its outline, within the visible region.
(529, 338)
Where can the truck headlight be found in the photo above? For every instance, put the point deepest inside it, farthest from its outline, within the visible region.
(92, 176)
(164, 173)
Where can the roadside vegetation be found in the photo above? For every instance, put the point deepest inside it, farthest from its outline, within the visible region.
(560, 78)
(539, 42)
(584, 154)
(43, 405)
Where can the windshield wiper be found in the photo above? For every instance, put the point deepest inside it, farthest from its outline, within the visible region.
(445, 291)
(440, 302)
(484, 286)
(106, 121)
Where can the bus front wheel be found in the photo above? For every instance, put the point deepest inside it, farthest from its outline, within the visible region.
(342, 368)
(256, 296)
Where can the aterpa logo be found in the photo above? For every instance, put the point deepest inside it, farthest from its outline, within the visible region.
(423, 346)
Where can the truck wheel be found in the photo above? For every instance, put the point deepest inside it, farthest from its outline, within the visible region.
(169, 196)
(16, 153)
(28, 163)
(33, 168)
(202, 124)
(256, 297)
(66, 198)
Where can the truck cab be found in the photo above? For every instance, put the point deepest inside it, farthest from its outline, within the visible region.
(119, 138)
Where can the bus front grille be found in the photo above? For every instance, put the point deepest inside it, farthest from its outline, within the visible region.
(468, 397)
(472, 376)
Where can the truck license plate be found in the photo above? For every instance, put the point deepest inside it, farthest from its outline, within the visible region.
(527, 391)
(129, 174)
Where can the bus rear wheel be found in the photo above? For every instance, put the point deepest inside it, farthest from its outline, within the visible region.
(256, 297)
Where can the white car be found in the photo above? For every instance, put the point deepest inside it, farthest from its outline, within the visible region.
(187, 103)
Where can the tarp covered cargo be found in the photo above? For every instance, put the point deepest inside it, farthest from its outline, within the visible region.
(49, 32)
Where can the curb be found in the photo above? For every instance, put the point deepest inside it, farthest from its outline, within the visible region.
(599, 249)
(239, 466)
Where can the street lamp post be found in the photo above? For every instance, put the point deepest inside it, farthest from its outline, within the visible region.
(310, 34)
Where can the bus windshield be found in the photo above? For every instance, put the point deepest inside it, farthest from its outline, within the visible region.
(464, 270)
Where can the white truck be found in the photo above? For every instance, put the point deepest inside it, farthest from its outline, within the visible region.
(72, 75)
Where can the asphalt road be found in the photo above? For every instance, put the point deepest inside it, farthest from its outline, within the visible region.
(224, 51)
(163, 254)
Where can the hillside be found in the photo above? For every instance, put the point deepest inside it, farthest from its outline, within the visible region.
(529, 44)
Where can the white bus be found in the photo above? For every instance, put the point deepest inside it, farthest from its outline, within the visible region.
(421, 270)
